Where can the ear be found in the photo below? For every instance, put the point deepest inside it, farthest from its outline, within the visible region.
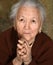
(40, 27)
(14, 24)
(40, 30)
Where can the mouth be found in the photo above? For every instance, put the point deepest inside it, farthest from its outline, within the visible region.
(26, 33)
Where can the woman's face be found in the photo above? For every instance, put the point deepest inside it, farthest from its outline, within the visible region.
(28, 22)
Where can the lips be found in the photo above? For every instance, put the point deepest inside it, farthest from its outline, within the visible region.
(26, 33)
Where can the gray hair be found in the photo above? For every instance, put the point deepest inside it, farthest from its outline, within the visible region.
(32, 3)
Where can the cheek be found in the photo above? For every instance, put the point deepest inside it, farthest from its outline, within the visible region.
(35, 29)
(19, 28)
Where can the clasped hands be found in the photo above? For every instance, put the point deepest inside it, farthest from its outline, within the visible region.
(24, 52)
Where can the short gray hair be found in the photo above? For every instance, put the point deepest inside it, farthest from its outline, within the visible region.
(32, 3)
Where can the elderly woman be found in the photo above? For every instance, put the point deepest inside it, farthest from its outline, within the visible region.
(25, 43)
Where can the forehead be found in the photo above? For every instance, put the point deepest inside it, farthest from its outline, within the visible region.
(28, 11)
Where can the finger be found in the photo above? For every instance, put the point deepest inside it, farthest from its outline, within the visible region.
(19, 46)
(19, 52)
(20, 42)
(26, 45)
(28, 48)
(31, 44)
(24, 51)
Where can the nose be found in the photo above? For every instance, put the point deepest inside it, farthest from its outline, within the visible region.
(27, 25)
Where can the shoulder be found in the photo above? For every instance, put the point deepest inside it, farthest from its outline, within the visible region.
(5, 38)
(4, 33)
(5, 46)
(42, 49)
(43, 37)
(6, 43)
(43, 43)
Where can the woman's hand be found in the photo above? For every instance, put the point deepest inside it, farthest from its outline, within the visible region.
(19, 52)
(24, 52)
(18, 60)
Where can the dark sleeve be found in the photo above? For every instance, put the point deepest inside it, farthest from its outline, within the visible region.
(44, 53)
(33, 62)
(5, 52)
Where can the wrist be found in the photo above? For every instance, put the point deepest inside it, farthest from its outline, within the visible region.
(27, 62)
(16, 62)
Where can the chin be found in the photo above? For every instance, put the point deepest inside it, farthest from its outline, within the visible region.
(27, 38)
